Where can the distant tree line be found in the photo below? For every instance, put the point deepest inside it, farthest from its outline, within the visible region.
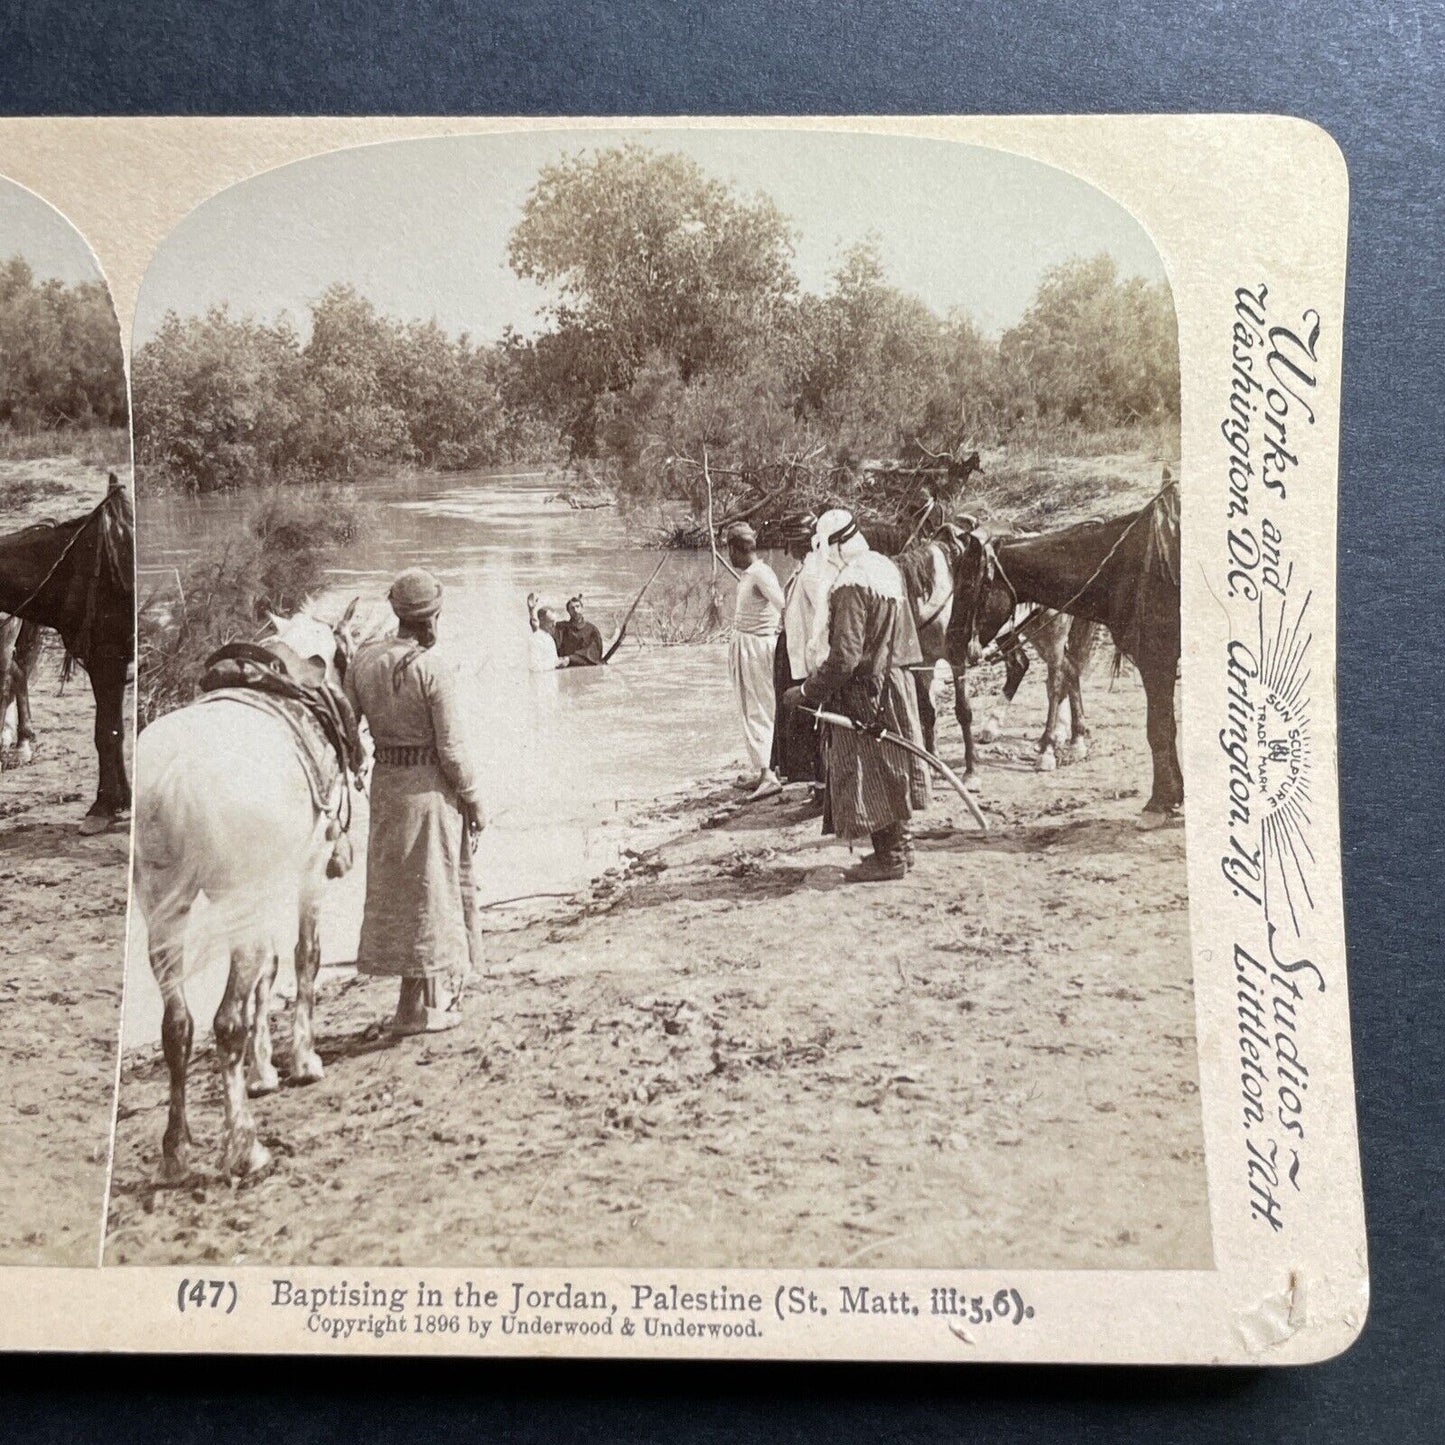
(678, 323)
(60, 355)
(224, 401)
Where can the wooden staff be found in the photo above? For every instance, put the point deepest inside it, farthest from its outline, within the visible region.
(711, 533)
(627, 617)
(837, 720)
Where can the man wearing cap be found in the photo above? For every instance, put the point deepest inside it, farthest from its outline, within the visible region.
(420, 920)
(579, 644)
(757, 617)
(872, 787)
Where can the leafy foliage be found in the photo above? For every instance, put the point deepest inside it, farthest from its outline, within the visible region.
(679, 328)
(676, 329)
(60, 355)
(647, 254)
(224, 402)
(273, 563)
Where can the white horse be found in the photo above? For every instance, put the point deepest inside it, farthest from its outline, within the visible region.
(224, 809)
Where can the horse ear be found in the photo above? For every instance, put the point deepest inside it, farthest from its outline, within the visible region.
(277, 623)
(350, 611)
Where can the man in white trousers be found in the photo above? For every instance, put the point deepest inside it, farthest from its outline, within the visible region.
(756, 621)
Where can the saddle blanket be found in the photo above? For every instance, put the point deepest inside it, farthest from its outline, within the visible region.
(314, 750)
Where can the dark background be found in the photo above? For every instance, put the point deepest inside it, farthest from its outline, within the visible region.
(1374, 76)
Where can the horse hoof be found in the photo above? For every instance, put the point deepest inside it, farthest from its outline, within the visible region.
(246, 1161)
(22, 755)
(1047, 762)
(1081, 749)
(264, 1082)
(93, 823)
(1148, 822)
(989, 732)
(308, 1070)
(175, 1167)
(970, 782)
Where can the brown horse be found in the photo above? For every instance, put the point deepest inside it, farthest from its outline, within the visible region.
(19, 652)
(1122, 574)
(78, 577)
(945, 573)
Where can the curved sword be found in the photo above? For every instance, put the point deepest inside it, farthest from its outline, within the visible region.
(837, 720)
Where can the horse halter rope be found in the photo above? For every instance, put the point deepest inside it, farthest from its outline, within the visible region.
(1016, 635)
(988, 569)
(80, 531)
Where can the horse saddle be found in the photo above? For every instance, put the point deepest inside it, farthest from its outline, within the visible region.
(274, 668)
(241, 664)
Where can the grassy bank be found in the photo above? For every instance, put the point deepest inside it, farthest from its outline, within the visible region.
(1051, 477)
(91, 446)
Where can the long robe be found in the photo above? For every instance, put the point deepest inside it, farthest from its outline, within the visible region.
(420, 919)
(795, 734)
(579, 642)
(872, 642)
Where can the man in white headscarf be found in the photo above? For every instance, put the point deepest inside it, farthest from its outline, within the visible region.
(836, 541)
(872, 787)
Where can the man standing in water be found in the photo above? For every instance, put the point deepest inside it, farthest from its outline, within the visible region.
(579, 644)
(420, 921)
(756, 620)
(872, 787)
(542, 650)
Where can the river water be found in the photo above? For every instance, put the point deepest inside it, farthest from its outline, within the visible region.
(565, 757)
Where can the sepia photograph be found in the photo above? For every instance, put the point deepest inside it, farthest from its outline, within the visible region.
(67, 599)
(657, 688)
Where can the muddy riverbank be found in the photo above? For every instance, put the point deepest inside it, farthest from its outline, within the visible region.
(720, 1055)
(63, 902)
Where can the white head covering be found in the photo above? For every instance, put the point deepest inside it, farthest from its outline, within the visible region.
(820, 569)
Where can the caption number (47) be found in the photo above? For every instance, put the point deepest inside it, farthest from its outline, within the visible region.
(219, 1295)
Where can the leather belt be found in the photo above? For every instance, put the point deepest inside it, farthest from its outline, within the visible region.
(414, 757)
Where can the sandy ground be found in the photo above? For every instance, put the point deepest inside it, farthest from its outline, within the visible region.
(62, 933)
(723, 1056)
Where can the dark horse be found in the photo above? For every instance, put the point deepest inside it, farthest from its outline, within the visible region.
(1123, 574)
(78, 577)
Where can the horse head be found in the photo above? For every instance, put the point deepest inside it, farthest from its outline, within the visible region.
(983, 596)
(311, 639)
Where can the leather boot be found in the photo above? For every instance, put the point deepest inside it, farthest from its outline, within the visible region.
(886, 864)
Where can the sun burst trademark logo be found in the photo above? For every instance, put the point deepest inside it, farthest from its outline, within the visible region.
(1282, 751)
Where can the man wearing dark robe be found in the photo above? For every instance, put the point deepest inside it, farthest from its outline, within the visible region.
(579, 644)
(795, 734)
(872, 787)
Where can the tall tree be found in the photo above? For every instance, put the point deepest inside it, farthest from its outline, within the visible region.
(649, 256)
(1095, 349)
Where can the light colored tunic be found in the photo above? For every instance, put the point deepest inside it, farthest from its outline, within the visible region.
(759, 608)
(420, 917)
(542, 656)
(756, 619)
(798, 607)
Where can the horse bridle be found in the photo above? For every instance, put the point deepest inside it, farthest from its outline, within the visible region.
(952, 539)
(989, 568)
